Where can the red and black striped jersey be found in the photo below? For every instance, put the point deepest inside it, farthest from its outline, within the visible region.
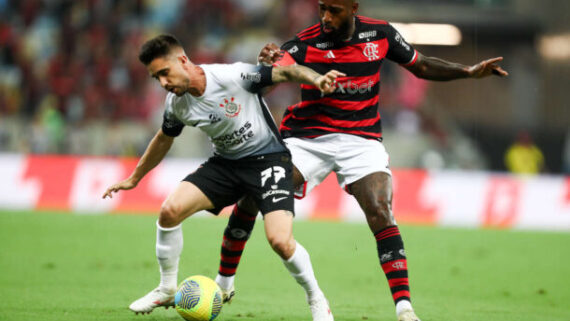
(353, 107)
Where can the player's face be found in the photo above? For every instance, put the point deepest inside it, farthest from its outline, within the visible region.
(337, 17)
(170, 72)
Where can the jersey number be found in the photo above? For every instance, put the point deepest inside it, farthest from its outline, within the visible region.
(278, 173)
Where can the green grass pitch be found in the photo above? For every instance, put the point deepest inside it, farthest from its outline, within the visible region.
(57, 266)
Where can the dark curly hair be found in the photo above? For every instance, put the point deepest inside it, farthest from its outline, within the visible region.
(156, 47)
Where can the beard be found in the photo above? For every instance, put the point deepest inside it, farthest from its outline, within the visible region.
(340, 33)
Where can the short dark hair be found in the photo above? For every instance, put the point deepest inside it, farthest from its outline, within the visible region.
(158, 46)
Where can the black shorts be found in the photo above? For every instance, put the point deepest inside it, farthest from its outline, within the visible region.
(268, 179)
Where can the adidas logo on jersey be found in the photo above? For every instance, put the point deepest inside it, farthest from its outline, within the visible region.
(330, 55)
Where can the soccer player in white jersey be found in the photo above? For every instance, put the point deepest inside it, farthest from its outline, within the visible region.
(250, 158)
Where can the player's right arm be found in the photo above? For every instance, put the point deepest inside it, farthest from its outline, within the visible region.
(155, 151)
(153, 155)
(269, 54)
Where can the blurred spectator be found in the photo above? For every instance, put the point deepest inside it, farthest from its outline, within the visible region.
(566, 153)
(69, 70)
(523, 156)
(67, 65)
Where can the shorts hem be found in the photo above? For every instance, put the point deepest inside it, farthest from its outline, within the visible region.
(387, 171)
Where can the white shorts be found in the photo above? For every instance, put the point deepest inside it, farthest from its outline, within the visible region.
(350, 157)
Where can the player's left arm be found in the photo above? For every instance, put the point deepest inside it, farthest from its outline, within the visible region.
(305, 75)
(433, 68)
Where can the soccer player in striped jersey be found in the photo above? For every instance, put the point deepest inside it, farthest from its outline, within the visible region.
(342, 132)
(250, 158)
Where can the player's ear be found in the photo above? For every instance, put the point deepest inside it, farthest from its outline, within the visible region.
(354, 7)
(183, 59)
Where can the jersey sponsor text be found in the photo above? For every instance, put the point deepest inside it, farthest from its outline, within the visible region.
(237, 137)
(367, 34)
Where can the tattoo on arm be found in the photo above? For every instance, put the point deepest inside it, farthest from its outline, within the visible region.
(432, 68)
(294, 73)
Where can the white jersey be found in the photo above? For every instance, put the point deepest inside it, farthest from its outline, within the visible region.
(231, 111)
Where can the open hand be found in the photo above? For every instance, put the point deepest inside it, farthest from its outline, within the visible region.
(123, 185)
(486, 68)
(327, 82)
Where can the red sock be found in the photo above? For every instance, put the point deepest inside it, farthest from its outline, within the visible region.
(236, 235)
(393, 260)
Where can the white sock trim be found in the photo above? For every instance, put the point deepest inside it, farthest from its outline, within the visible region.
(225, 282)
(290, 262)
(168, 229)
(403, 305)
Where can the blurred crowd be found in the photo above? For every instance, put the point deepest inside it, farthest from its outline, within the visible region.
(64, 63)
(71, 82)
(80, 57)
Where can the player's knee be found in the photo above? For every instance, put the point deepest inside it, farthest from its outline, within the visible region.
(282, 245)
(381, 214)
(169, 215)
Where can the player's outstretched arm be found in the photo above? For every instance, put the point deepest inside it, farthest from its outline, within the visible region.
(154, 153)
(305, 75)
(432, 68)
(487, 68)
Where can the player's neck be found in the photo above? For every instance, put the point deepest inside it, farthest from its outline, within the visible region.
(351, 29)
(197, 82)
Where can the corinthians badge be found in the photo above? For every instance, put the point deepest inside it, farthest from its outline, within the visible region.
(232, 108)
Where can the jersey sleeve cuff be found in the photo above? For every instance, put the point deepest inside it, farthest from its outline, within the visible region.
(266, 75)
(172, 131)
(413, 60)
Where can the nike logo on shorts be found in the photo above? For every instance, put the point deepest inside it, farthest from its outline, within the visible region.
(275, 200)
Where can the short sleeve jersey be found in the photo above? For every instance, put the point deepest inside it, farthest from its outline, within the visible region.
(231, 111)
(353, 107)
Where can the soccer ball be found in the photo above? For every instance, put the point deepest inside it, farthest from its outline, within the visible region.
(198, 298)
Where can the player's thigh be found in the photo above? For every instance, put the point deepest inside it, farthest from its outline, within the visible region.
(185, 200)
(372, 189)
(218, 179)
(298, 178)
(374, 195)
(279, 225)
(312, 160)
(358, 158)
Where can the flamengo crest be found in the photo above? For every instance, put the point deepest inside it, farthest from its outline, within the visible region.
(371, 51)
(232, 108)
